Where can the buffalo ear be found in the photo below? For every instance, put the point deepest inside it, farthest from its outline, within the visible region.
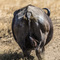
(47, 11)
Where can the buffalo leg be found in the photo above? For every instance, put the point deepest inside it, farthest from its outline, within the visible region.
(40, 53)
(26, 54)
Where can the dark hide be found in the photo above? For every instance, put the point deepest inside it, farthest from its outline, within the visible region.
(32, 29)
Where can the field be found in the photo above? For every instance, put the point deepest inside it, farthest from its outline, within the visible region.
(9, 49)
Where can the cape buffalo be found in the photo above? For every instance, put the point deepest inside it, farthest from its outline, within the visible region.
(32, 29)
